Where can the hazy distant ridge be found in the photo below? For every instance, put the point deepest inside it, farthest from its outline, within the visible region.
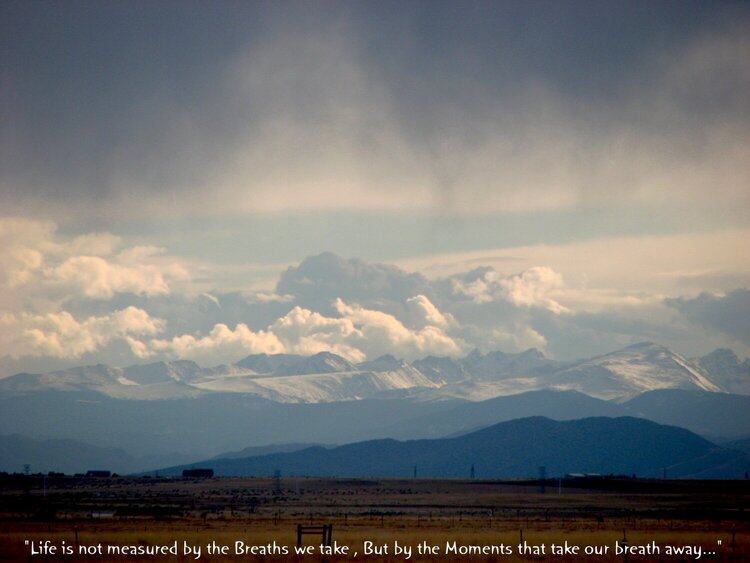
(518, 448)
(178, 430)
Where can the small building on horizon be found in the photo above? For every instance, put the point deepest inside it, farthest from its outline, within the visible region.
(98, 473)
(202, 473)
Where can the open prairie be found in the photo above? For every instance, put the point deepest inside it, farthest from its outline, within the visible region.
(73, 518)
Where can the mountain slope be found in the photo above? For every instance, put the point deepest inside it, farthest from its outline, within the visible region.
(324, 387)
(254, 451)
(743, 444)
(512, 449)
(628, 372)
(618, 375)
(468, 416)
(162, 380)
(203, 426)
(716, 415)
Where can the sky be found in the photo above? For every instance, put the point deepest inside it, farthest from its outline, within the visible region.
(194, 180)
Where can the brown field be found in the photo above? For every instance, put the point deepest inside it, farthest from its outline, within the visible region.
(82, 513)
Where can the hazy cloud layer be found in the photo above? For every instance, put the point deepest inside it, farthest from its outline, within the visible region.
(625, 268)
(218, 108)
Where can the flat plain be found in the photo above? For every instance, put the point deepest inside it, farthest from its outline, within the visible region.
(460, 520)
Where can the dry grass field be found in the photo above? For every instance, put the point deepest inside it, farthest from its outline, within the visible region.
(457, 520)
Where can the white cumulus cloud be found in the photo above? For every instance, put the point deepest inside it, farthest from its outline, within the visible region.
(38, 264)
(357, 334)
(423, 312)
(96, 278)
(22, 246)
(220, 344)
(531, 288)
(382, 333)
(61, 335)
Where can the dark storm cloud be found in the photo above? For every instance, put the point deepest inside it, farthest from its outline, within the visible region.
(84, 80)
(462, 55)
(729, 314)
(103, 97)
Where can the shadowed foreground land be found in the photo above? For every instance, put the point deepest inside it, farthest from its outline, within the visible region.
(157, 512)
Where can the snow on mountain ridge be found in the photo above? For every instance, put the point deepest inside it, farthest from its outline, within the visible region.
(321, 387)
(178, 370)
(642, 367)
(383, 363)
(327, 377)
(322, 362)
(151, 381)
(441, 370)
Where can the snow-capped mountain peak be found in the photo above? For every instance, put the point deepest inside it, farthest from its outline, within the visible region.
(161, 372)
(635, 369)
(322, 362)
(386, 362)
(327, 377)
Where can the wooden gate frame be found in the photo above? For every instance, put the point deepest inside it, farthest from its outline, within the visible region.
(325, 531)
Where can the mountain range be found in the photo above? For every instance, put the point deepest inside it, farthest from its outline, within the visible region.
(167, 413)
(513, 449)
(327, 377)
